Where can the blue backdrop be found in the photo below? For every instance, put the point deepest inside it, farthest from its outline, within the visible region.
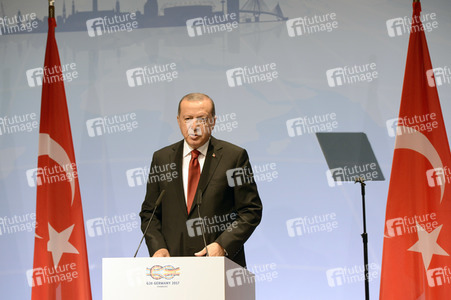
(278, 72)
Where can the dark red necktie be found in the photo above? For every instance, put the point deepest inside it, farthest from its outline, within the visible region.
(193, 177)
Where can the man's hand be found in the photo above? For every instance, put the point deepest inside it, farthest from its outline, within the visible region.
(214, 249)
(163, 252)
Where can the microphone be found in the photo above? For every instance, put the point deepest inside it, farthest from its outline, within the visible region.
(199, 202)
(157, 203)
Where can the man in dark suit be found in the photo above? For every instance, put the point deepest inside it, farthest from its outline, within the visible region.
(202, 168)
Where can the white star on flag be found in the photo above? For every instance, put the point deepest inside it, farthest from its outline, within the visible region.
(59, 243)
(427, 245)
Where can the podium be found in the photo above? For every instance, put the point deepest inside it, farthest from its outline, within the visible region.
(190, 278)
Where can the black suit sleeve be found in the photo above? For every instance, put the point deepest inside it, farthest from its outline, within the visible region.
(248, 207)
(154, 237)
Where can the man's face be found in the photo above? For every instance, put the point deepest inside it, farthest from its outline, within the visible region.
(196, 122)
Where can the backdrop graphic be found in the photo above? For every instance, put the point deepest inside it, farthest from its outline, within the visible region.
(278, 75)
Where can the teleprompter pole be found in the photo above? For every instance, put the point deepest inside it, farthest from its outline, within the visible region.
(364, 238)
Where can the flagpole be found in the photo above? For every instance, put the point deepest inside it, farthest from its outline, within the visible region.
(51, 8)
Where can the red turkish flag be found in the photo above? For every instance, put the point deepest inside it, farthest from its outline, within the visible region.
(416, 261)
(60, 268)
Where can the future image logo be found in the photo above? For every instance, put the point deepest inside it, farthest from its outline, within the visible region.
(111, 124)
(37, 76)
(348, 275)
(251, 74)
(438, 276)
(403, 25)
(18, 123)
(410, 224)
(49, 175)
(312, 224)
(312, 124)
(438, 176)
(52, 275)
(157, 173)
(107, 25)
(412, 124)
(309, 25)
(112, 224)
(18, 23)
(212, 224)
(339, 175)
(211, 25)
(351, 74)
(239, 277)
(438, 76)
(151, 74)
(239, 176)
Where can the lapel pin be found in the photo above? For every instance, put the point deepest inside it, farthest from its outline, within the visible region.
(214, 155)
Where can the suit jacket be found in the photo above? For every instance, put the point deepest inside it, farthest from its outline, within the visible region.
(230, 207)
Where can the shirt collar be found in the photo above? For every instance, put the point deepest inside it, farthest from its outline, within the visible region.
(202, 149)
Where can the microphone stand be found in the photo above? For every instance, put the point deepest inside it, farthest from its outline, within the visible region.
(364, 238)
(157, 203)
(199, 202)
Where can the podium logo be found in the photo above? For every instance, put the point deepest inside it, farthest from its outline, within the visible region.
(347, 275)
(239, 176)
(403, 25)
(211, 25)
(351, 74)
(438, 276)
(250, 75)
(167, 272)
(311, 125)
(106, 25)
(438, 76)
(313, 224)
(438, 176)
(309, 25)
(239, 277)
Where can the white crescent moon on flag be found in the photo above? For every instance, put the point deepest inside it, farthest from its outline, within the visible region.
(49, 147)
(416, 141)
